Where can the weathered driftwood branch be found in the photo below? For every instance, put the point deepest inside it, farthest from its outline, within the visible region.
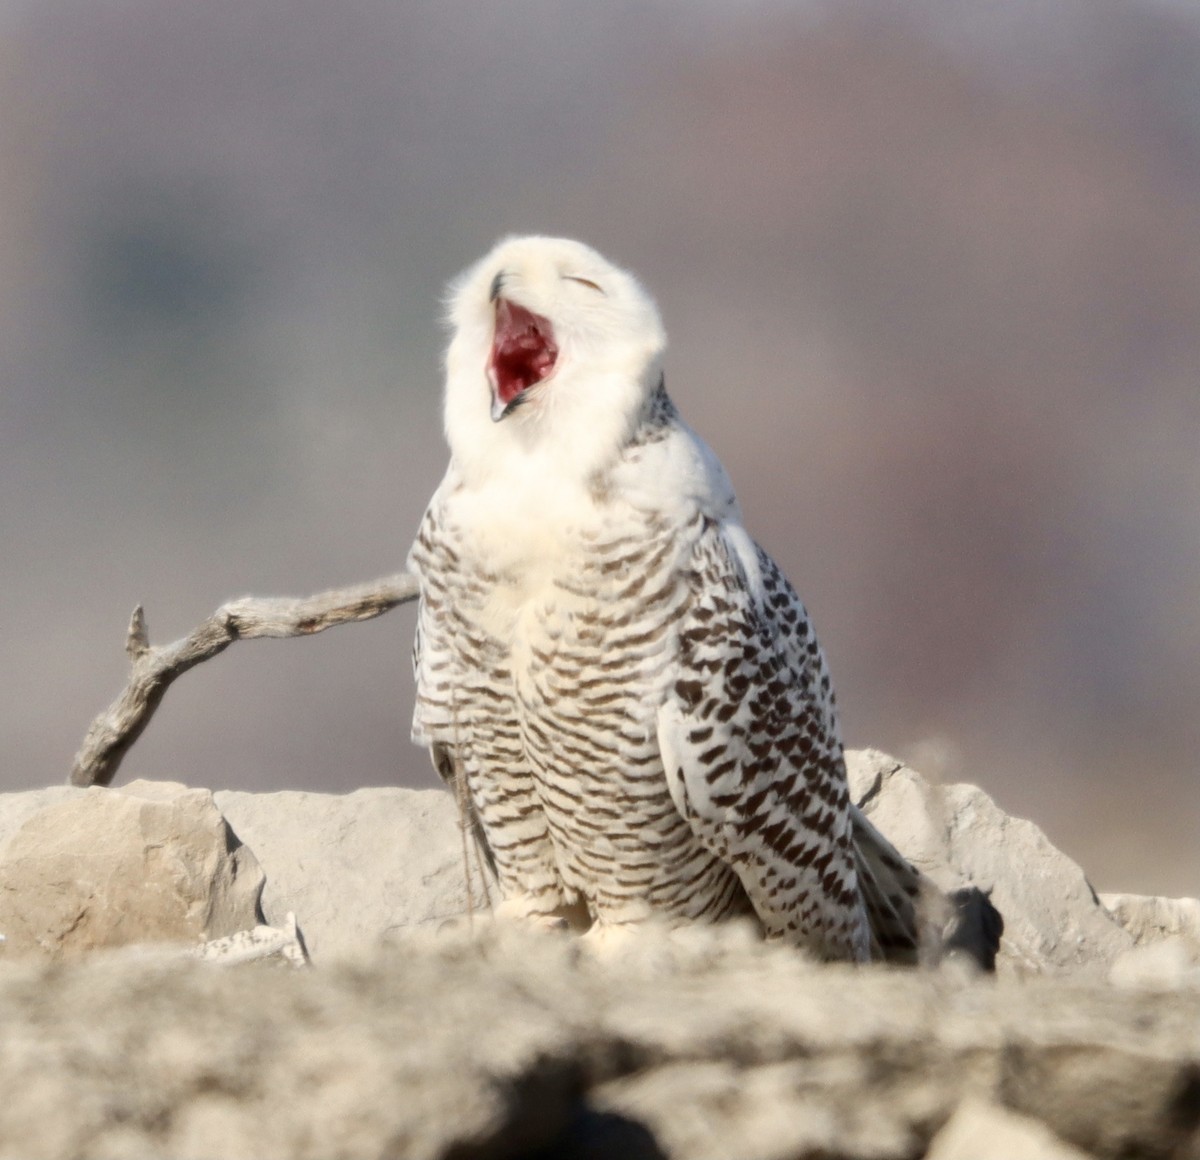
(116, 729)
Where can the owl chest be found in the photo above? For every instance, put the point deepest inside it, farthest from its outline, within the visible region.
(560, 632)
(583, 652)
(580, 651)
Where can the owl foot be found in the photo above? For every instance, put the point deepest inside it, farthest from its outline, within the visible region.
(521, 911)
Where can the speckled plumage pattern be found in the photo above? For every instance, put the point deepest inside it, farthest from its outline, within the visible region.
(624, 685)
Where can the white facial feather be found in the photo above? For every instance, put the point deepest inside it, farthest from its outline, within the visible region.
(610, 342)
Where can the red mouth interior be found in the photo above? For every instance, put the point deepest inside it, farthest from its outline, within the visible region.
(523, 350)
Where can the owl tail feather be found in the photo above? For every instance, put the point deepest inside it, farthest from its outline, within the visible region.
(891, 890)
(911, 920)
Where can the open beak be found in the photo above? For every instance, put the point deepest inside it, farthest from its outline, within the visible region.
(524, 354)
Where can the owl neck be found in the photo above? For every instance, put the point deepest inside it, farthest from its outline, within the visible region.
(563, 438)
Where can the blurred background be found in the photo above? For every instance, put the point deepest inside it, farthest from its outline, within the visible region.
(931, 274)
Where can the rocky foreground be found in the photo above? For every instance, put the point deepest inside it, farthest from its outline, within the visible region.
(418, 1033)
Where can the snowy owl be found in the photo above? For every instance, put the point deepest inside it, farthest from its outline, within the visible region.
(620, 684)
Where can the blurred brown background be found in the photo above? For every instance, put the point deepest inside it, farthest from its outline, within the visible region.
(932, 278)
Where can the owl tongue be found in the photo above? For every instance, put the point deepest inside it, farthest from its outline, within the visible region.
(523, 353)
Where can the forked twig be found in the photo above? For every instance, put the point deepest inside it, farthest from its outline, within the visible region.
(115, 730)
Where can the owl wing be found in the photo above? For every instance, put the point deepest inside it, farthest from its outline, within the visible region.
(436, 662)
(439, 723)
(751, 750)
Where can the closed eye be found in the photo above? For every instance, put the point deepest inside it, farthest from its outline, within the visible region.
(583, 282)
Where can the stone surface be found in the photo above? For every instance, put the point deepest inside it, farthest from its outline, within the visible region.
(1151, 919)
(151, 862)
(410, 1038)
(17, 808)
(982, 1131)
(284, 944)
(1164, 966)
(960, 838)
(359, 867)
(524, 1045)
(716, 1108)
(355, 867)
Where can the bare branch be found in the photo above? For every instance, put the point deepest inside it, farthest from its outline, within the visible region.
(115, 730)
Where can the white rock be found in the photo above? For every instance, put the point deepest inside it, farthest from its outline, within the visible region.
(359, 867)
(983, 1131)
(960, 838)
(355, 867)
(513, 1044)
(1149, 919)
(717, 1109)
(1158, 966)
(263, 942)
(17, 808)
(150, 862)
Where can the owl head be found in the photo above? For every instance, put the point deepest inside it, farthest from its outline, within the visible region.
(554, 351)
